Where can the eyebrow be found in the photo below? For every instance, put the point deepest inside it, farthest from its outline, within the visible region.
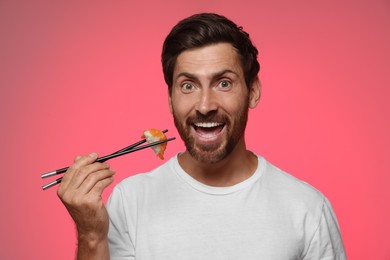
(213, 76)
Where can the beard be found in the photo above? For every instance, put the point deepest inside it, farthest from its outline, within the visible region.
(216, 151)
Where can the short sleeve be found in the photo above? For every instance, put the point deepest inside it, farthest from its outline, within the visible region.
(326, 243)
(120, 243)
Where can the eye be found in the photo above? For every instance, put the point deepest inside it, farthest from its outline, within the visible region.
(187, 87)
(224, 84)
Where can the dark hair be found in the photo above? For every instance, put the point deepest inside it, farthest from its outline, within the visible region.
(204, 29)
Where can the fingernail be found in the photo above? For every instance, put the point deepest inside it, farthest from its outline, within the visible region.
(106, 165)
(93, 155)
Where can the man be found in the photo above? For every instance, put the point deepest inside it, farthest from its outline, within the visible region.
(216, 200)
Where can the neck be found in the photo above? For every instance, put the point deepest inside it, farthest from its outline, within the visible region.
(238, 166)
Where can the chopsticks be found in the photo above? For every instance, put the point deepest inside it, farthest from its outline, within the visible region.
(129, 149)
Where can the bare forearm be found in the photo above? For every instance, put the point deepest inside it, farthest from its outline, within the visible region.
(81, 192)
(89, 249)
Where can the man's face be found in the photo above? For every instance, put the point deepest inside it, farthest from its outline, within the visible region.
(210, 101)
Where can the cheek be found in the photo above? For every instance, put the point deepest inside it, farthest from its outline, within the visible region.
(170, 104)
(181, 105)
(179, 109)
(234, 105)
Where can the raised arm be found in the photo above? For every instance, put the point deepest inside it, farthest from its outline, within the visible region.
(81, 193)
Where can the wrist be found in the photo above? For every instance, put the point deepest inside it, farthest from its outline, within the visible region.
(91, 240)
(92, 246)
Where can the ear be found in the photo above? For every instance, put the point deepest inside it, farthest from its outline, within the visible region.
(254, 93)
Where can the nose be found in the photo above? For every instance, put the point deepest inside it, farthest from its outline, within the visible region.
(207, 101)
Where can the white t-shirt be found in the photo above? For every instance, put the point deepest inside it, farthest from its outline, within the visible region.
(166, 214)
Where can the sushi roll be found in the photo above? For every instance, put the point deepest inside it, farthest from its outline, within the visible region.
(154, 135)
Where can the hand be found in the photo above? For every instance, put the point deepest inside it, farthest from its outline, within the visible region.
(80, 191)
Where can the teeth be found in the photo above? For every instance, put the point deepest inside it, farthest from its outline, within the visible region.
(208, 124)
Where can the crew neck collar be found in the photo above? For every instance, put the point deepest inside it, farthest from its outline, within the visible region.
(213, 190)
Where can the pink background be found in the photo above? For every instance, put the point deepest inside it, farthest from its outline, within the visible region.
(81, 77)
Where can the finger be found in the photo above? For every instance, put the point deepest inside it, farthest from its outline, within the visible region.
(79, 161)
(77, 158)
(94, 179)
(83, 160)
(100, 186)
(82, 173)
(78, 186)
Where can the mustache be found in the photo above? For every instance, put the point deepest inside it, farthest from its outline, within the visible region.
(212, 116)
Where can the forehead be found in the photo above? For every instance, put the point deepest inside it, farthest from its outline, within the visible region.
(208, 60)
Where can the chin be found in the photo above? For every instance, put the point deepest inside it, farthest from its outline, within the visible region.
(209, 155)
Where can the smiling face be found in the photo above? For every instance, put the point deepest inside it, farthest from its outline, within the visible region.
(210, 101)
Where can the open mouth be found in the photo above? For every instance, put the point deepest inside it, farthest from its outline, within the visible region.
(208, 130)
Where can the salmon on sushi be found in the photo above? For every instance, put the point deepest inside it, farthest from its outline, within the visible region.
(155, 135)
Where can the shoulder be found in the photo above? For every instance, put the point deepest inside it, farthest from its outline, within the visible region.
(308, 210)
(143, 188)
(305, 206)
(292, 192)
(139, 182)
